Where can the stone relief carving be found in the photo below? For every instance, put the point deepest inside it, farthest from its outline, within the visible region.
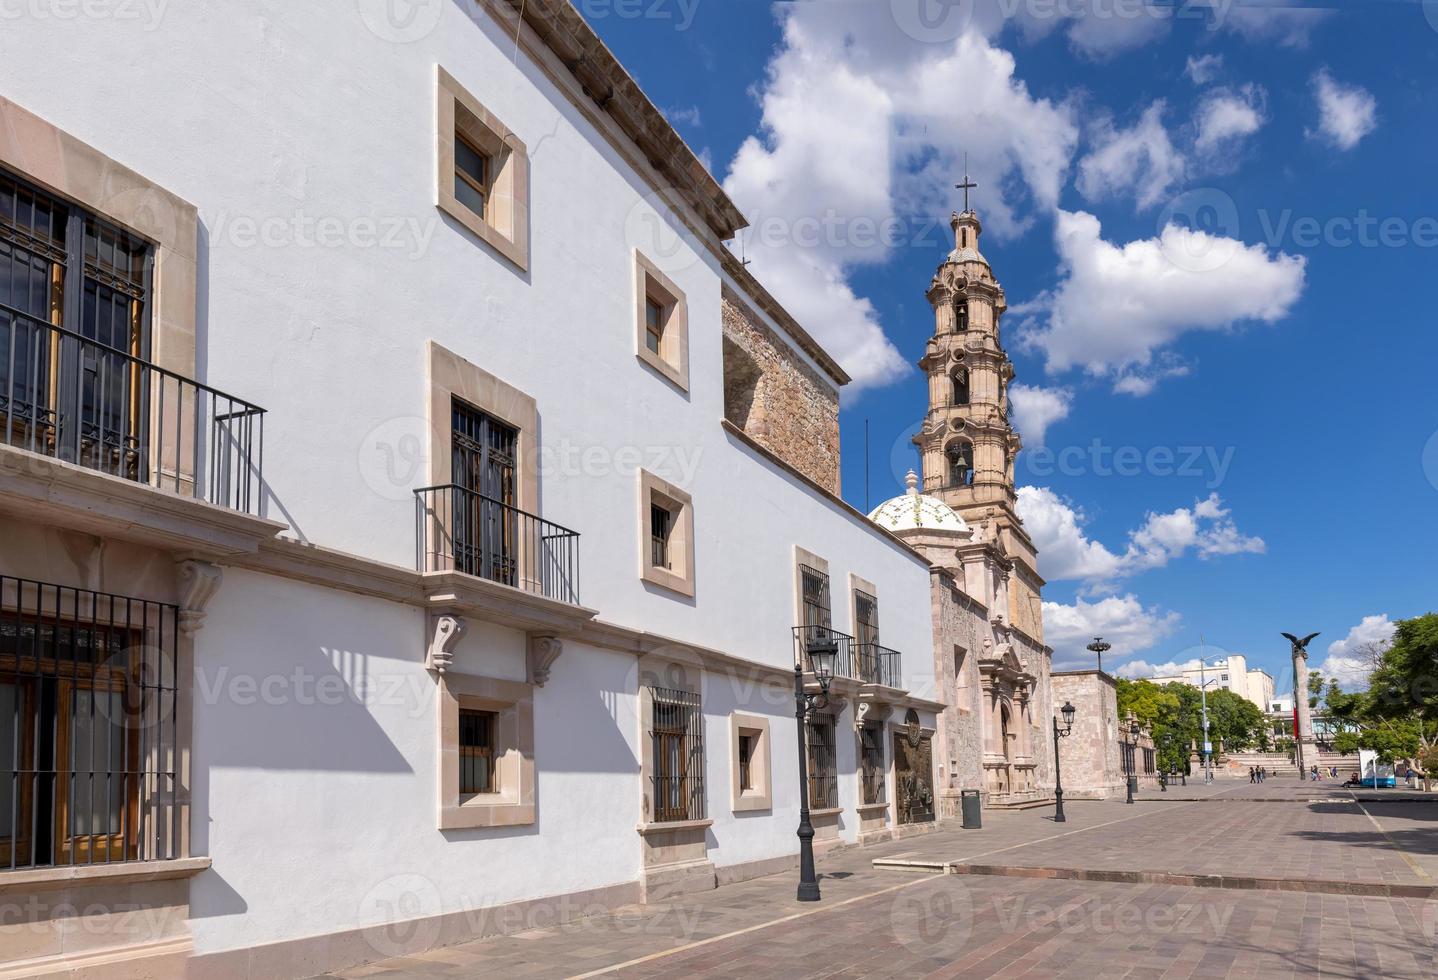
(199, 581)
(543, 652)
(446, 633)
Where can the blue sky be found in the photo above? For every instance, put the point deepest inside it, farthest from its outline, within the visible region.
(1216, 228)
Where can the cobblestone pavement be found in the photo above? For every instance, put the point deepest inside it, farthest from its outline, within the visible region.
(874, 923)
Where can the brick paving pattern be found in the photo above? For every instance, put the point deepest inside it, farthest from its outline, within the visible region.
(875, 923)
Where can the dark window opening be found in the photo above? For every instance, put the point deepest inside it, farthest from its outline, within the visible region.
(476, 752)
(471, 176)
(653, 324)
(748, 742)
(484, 462)
(866, 618)
(661, 526)
(871, 749)
(960, 387)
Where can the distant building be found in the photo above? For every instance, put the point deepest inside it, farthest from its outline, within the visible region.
(1234, 674)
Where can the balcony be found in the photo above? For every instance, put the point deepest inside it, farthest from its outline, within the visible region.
(460, 530)
(806, 638)
(84, 403)
(879, 665)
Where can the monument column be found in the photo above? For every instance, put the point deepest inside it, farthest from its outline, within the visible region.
(1303, 733)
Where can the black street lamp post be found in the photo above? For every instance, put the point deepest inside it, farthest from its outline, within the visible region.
(1132, 775)
(1068, 711)
(822, 652)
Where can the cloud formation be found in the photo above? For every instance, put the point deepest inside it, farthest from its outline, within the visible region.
(1067, 553)
(1035, 408)
(1121, 620)
(1350, 660)
(860, 137)
(1140, 161)
(1117, 307)
(1346, 113)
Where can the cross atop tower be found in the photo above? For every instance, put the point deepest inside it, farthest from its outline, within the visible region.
(967, 184)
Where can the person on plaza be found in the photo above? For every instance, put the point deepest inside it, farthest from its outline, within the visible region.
(1252, 775)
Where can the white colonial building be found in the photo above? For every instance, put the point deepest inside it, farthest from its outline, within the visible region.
(412, 514)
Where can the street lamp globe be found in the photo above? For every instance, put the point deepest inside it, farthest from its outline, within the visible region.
(1068, 711)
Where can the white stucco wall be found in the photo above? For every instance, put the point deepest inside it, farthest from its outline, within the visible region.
(271, 118)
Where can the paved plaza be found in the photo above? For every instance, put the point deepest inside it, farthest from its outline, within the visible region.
(1263, 881)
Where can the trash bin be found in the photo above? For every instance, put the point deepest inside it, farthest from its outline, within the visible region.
(970, 802)
(1133, 785)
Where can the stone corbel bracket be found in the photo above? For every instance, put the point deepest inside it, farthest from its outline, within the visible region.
(866, 711)
(445, 632)
(543, 652)
(199, 581)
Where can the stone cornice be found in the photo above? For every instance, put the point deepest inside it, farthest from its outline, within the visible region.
(45, 490)
(611, 90)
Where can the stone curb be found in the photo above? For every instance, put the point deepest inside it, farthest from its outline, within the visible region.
(1288, 799)
(1379, 889)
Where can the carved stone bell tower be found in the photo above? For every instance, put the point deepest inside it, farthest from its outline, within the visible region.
(966, 442)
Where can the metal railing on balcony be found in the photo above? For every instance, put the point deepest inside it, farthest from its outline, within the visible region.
(879, 665)
(808, 638)
(80, 401)
(459, 530)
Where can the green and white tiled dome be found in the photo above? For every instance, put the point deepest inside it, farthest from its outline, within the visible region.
(914, 510)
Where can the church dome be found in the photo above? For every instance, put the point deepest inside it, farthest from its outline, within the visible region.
(914, 510)
(967, 254)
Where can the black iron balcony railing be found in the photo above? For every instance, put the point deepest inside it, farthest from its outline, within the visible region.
(83, 402)
(459, 530)
(879, 665)
(808, 639)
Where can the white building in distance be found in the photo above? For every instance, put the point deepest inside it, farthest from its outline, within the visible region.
(1231, 673)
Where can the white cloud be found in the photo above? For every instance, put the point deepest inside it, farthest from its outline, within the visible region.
(1288, 27)
(1140, 160)
(1346, 113)
(1224, 119)
(1121, 620)
(1036, 408)
(861, 130)
(685, 114)
(1111, 29)
(1066, 553)
(1351, 660)
(1204, 68)
(1136, 669)
(1117, 306)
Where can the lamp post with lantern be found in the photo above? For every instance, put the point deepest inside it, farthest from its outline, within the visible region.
(1068, 711)
(822, 650)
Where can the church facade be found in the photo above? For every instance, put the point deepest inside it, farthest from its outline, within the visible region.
(989, 652)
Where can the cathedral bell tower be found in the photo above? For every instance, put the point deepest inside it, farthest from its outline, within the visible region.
(966, 442)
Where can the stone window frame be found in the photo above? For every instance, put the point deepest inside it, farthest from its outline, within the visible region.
(672, 361)
(802, 557)
(858, 584)
(512, 703)
(59, 163)
(761, 770)
(452, 376)
(505, 225)
(679, 577)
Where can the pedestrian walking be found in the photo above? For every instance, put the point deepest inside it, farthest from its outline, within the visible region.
(1252, 775)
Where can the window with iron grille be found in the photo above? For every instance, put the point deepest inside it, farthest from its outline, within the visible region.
(62, 266)
(677, 731)
(871, 751)
(817, 610)
(866, 618)
(483, 453)
(823, 767)
(961, 464)
(476, 752)
(87, 727)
